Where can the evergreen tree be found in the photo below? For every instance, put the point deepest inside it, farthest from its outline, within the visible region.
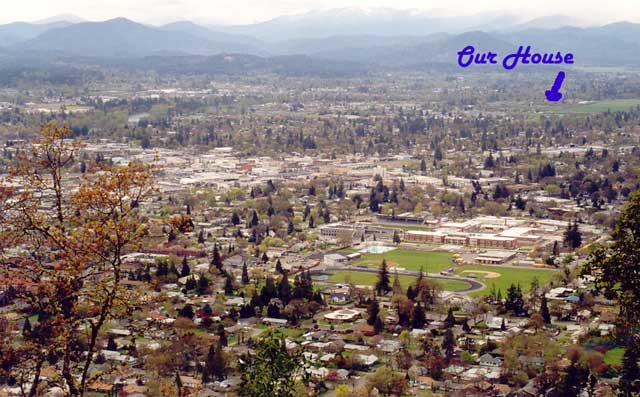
(186, 311)
(245, 274)
(219, 370)
(378, 325)
(450, 321)
(216, 259)
(373, 310)
(279, 268)
(185, 271)
(544, 310)
(284, 289)
(396, 237)
(235, 219)
(26, 328)
(311, 223)
(448, 343)
(630, 377)
(111, 343)
(228, 285)
(383, 286)
(572, 236)
(254, 219)
(222, 335)
(201, 238)
(202, 285)
(616, 267)
(172, 236)
(268, 292)
(290, 227)
(418, 318)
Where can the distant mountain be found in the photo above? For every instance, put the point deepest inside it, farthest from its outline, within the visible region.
(121, 37)
(240, 64)
(69, 18)
(366, 21)
(16, 32)
(346, 37)
(551, 22)
(252, 44)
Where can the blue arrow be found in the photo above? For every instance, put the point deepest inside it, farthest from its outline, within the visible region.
(554, 94)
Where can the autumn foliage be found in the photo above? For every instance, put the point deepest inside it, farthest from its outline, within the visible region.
(61, 240)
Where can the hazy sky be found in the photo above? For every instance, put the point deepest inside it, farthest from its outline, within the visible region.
(248, 11)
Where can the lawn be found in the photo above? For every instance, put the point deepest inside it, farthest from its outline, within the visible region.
(612, 105)
(614, 356)
(429, 261)
(361, 278)
(507, 277)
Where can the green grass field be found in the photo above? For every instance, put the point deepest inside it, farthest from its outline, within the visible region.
(429, 261)
(361, 278)
(614, 356)
(507, 277)
(612, 105)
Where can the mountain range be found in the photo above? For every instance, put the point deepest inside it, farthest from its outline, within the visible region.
(373, 37)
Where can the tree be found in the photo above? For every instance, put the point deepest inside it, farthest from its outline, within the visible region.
(26, 328)
(201, 238)
(448, 343)
(450, 321)
(222, 335)
(235, 219)
(185, 271)
(228, 285)
(372, 311)
(311, 223)
(396, 237)
(290, 227)
(383, 286)
(75, 239)
(216, 259)
(178, 381)
(284, 289)
(254, 219)
(544, 310)
(418, 317)
(186, 311)
(245, 274)
(572, 236)
(616, 267)
(214, 366)
(279, 268)
(630, 378)
(378, 325)
(111, 343)
(202, 285)
(386, 382)
(271, 370)
(514, 301)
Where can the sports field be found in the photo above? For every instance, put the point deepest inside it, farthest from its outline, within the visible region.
(361, 278)
(613, 105)
(503, 277)
(429, 261)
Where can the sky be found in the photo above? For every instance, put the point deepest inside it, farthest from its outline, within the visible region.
(227, 12)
